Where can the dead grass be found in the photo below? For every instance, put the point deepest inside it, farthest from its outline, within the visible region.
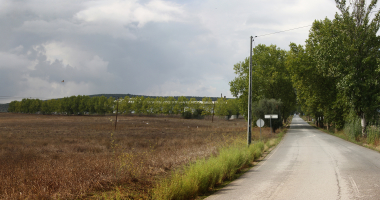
(71, 157)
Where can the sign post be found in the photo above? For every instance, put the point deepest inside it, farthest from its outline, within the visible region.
(271, 116)
(260, 123)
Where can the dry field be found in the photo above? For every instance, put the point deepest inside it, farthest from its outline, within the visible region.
(71, 157)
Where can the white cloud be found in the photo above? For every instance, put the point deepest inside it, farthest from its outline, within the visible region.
(130, 11)
(37, 87)
(73, 56)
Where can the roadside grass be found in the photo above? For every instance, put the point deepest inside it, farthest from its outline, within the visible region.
(350, 133)
(203, 175)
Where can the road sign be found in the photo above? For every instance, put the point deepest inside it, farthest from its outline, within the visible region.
(260, 123)
(271, 116)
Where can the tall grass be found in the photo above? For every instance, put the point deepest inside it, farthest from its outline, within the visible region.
(373, 134)
(353, 129)
(204, 175)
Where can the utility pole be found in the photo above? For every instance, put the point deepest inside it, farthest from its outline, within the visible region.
(250, 92)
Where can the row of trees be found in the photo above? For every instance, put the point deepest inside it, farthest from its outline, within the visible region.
(334, 76)
(337, 72)
(80, 105)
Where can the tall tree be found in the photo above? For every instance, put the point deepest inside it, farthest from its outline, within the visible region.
(270, 79)
(348, 49)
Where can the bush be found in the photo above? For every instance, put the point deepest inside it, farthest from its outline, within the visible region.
(187, 115)
(198, 113)
(353, 127)
(268, 106)
(373, 135)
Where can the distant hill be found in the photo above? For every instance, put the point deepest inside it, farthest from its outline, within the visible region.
(4, 107)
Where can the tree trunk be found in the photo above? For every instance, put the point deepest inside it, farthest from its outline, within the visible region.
(364, 125)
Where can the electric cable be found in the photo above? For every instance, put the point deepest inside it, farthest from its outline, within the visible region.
(284, 31)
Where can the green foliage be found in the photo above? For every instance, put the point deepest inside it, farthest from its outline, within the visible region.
(203, 175)
(187, 115)
(224, 107)
(207, 106)
(345, 55)
(352, 128)
(373, 134)
(79, 105)
(197, 114)
(221, 107)
(270, 79)
(265, 107)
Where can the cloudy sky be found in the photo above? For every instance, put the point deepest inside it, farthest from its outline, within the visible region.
(144, 47)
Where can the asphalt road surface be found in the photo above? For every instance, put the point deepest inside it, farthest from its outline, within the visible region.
(310, 164)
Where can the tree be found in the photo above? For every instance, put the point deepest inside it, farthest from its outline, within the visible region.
(207, 106)
(316, 93)
(168, 105)
(181, 105)
(270, 79)
(268, 106)
(233, 107)
(12, 106)
(100, 105)
(149, 106)
(347, 49)
(125, 105)
(110, 105)
(83, 104)
(221, 107)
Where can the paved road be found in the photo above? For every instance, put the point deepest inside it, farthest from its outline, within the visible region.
(310, 164)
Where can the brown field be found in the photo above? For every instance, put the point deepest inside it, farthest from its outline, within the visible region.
(71, 157)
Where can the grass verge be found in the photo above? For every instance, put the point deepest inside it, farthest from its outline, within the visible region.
(371, 142)
(203, 175)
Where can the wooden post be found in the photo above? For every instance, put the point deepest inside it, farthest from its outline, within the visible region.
(117, 110)
(213, 109)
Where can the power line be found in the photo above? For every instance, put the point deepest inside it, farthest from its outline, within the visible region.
(284, 31)
(296, 28)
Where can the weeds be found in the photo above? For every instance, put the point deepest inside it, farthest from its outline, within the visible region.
(353, 129)
(373, 134)
(204, 174)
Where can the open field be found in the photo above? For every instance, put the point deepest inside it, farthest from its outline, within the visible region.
(52, 156)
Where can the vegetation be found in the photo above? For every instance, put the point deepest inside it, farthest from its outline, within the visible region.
(79, 157)
(337, 73)
(270, 80)
(268, 106)
(333, 78)
(203, 175)
(80, 105)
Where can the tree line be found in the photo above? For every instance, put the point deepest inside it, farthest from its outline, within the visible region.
(333, 78)
(81, 105)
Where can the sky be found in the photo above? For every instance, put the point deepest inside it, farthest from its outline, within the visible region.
(143, 47)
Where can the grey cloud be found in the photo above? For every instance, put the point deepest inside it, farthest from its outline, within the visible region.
(193, 55)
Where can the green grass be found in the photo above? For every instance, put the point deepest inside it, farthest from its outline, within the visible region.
(203, 175)
(352, 133)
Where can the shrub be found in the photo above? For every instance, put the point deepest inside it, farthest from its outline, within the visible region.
(187, 115)
(198, 113)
